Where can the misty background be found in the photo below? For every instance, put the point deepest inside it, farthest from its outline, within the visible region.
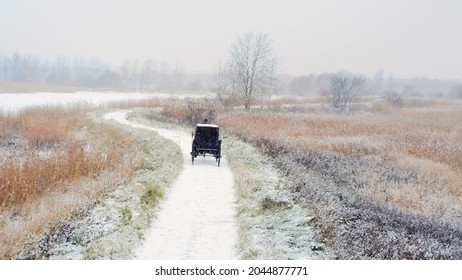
(408, 47)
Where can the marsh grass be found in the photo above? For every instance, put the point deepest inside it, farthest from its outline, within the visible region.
(55, 160)
(44, 153)
(429, 143)
(365, 171)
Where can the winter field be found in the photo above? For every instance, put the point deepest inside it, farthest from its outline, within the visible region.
(381, 182)
(307, 182)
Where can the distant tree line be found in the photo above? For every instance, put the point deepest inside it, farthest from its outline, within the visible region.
(380, 84)
(249, 72)
(147, 75)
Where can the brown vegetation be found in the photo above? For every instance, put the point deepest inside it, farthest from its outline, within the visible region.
(384, 182)
(383, 185)
(46, 154)
(43, 155)
(421, 140)
(190, 111)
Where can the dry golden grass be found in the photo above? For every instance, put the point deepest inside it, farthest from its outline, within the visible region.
(25, 180)
(41, 125)
(426, 102)
(425, 136)
(291, 100)
(56, 160)
(428, 140)
(25, 175)
(383, 184)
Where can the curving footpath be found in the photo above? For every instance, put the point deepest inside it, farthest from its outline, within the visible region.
(198, 218)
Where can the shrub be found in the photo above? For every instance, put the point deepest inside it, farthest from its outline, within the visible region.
(192, 111)
(394, 99)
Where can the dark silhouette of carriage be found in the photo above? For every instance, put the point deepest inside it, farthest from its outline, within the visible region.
(206, 141)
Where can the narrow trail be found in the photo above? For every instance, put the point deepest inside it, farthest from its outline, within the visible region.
(197, 220)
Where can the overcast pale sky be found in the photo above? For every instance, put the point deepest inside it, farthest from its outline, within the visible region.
(409, 38)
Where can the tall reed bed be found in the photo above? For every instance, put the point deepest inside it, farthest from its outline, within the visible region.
(42, 152)
(23, 180)
(425, 141)
(53, 161)
(384, 185)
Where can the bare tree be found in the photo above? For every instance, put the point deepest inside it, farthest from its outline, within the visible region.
(250, 69)
(343, 88)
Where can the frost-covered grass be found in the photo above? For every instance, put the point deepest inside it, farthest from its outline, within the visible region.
(43, 148)
(272, 222)
(381, 182)
(47, 153)
(424, 145)
(103, 215)
(382, 185)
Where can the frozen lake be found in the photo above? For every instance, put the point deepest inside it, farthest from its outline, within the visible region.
(13, 102)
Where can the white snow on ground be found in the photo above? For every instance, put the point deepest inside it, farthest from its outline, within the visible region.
(197, 220)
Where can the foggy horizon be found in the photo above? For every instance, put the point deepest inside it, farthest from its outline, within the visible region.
(408, 39)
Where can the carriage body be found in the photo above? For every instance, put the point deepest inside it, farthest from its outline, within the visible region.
(206, 142)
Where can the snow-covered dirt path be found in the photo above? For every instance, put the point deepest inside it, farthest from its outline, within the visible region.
(197, 220)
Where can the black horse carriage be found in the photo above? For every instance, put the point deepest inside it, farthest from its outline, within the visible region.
(206, 141)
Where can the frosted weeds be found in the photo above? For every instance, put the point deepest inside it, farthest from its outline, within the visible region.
(356, 145)
(272, 225)
(99, 230)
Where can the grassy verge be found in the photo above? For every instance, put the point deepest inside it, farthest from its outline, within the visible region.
(272, 222)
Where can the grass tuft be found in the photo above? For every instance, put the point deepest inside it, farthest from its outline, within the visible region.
(269, 204)
(126, 216)
(152, 194)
